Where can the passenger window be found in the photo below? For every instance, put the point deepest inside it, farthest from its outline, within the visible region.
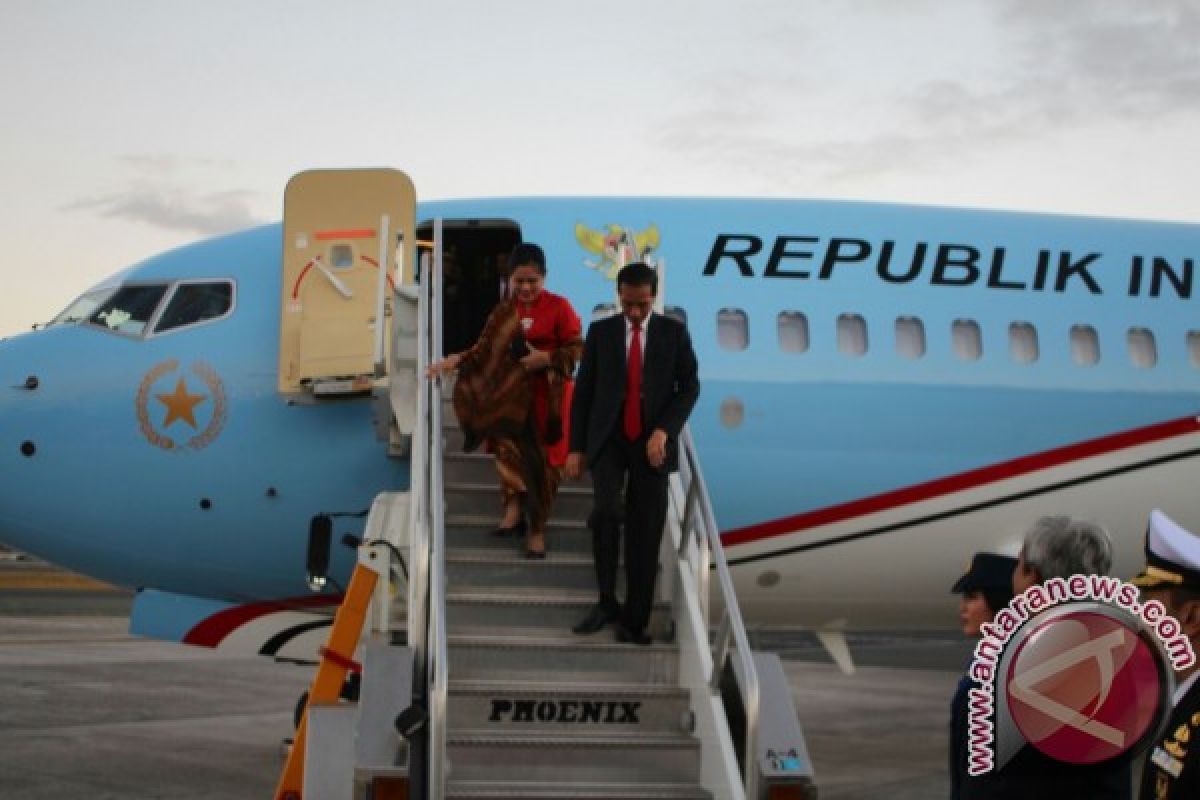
(129, 309)
(196, 302)
(1023, 342)
(1193, 343)
(1142, 351)
(967, 338)
(676, 312)
(910, 337)
(602, 310)
(1085, 345)
(851, 334)
(733, 329)
(792, 327)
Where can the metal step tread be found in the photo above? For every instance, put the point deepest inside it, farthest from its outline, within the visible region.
(514, 557)
(593, 642)
(518, 595)
(523, 596)
(471, 486)
(575, 789)
(591, 741)
(542, 689)
(490, 521)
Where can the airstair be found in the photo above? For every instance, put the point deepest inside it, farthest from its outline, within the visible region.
(474, 686)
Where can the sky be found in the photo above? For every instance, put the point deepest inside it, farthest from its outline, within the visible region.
(133, 126)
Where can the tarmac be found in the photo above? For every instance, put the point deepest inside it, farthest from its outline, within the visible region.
(89, 711)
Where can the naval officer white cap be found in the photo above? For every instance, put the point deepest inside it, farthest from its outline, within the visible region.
(1172, 555)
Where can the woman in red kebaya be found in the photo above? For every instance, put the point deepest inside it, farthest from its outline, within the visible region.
(514, 391)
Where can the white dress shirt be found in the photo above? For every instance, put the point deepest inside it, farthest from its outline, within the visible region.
(629, 334)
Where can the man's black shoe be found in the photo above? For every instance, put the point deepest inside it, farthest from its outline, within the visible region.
(596, 619)
(623, 634)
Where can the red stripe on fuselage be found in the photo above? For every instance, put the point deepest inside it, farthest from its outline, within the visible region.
(210, 631)
(962, 481)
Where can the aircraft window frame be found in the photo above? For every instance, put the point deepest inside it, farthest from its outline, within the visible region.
(95, 323)
(1193, 346)
(853, 336)
(676, 313)
(1085, 345)
(1143, 349)
(1023, 345)
(792, 332)
(92, 299)
(733, 330)
(174, 290)
(910, 337)
(966, 337)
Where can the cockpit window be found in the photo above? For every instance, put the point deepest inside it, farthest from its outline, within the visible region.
(82, 307)
(196, 302)
(129, 309)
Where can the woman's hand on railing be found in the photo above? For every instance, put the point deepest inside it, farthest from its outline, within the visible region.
(447, 364)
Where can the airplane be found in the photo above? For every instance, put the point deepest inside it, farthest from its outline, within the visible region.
(886, 390)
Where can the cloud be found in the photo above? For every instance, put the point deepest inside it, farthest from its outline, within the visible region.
(176, 209)
(1041, 70)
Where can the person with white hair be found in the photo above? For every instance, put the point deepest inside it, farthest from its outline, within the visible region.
(1056, 547)
(1059, 547)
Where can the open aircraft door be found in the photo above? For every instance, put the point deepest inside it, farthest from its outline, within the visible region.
(349, 239)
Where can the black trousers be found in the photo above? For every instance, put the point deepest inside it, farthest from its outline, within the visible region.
(622, 465)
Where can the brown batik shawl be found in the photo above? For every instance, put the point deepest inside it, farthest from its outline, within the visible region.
(493, 400)
(492, 396)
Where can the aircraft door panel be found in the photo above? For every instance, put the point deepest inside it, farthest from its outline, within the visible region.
(340, 271)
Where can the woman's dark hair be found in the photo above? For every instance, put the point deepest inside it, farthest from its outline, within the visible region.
(996, 599)
(527, 254)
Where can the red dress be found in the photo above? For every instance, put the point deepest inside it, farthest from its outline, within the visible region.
(552, 326)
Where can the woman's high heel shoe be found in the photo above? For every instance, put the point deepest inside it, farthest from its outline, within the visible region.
(516, 530)
(535, 545)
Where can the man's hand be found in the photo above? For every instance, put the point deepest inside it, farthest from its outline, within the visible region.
(574, 466)
(536, 360)
(656, 448)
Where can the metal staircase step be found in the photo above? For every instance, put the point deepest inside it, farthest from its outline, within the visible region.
(574, 790)
(559, 539)
(560, 660)
(625, 757)
(508, 567)
(479, 467)
(545, 609)
(568, 708)
(573, 502)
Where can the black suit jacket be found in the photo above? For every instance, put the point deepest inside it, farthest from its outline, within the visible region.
(670, 384)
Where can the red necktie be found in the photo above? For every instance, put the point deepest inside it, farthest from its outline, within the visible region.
(633, 386)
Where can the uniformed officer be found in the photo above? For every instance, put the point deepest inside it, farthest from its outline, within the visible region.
(1172, 576)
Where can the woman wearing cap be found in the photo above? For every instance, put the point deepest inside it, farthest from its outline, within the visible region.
(514, 390)
(984, 590)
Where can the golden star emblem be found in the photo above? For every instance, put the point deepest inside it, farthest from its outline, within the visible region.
(180, 404)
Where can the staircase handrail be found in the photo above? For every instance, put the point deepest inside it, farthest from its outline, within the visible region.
(439, 667)
(700, 522)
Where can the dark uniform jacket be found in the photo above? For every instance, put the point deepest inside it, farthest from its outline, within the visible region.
(1172, 768)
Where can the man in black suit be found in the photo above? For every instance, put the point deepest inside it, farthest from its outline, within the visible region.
(636, 387)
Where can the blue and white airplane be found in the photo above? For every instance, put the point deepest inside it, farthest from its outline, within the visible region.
(885, 390)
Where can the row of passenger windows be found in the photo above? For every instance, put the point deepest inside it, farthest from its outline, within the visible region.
(792, 331)
(131, 310)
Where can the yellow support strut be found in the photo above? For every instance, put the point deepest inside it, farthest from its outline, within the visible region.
(337, 658)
